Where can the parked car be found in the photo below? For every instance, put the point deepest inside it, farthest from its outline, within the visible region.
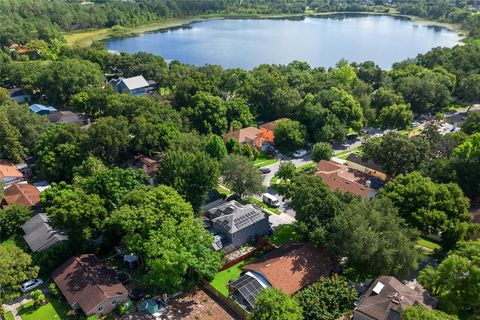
(265, 170)
(271, 200)
(300, 153)
(30, 285)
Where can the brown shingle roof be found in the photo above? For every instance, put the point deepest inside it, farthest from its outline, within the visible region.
(23, 194)
(387, 297)
(8, 169)
(338, 177)
(272, 124)
(85, 280)
(295, 266)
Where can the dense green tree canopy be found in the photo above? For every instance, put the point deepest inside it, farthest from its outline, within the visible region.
(143, 210)
(12, 219)
(192, 174)
(17, 267)
(80, 214)
(453, 281)
(472, 124)
(109, 138)
(327, 299)
(289, 135)
(273, 304)
(179, 254)
(10, 144)
(372, 236)
(397, 153)
(322, 151)
(431, 207)
(396, 116)
(241, 175)
(422, 313)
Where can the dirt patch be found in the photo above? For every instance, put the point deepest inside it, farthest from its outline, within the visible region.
(195, 305)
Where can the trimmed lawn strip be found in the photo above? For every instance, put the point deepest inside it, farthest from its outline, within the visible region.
(263, 205)
(222, 278)
(265, 162)
(9, 315)
(305, 166)
(284, 234)
(427, 243)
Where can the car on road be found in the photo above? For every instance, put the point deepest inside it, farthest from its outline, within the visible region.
(265, 170)
(300, 153)
(30, 285)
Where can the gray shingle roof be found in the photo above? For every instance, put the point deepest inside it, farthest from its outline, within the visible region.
(233, 216)
(39, 235)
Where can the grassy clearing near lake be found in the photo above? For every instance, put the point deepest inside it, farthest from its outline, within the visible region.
(221, 279)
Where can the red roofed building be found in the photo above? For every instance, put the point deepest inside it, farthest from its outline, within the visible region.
(339, 177)
(88, 284)
(22, 194)
(249, 135)
(268, 129)
(289, 268)
(9, 173)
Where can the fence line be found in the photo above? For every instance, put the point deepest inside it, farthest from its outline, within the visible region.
(230, 306)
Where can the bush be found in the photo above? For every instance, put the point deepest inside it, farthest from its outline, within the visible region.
(53, 290)
(38, 298)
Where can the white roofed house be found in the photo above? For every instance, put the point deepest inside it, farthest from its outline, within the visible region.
(136, 86)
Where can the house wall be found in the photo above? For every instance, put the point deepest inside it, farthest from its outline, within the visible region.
(107, 305)
(241, 237)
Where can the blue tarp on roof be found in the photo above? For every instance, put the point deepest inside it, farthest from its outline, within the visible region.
(41, 109)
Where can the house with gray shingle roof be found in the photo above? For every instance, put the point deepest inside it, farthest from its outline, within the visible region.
(39, 235)
(135, 86)
(237, 224)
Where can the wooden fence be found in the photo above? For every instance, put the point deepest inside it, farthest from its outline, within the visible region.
(226, 303)
(263, 245)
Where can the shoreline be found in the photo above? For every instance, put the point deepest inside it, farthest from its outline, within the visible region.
(86, 38)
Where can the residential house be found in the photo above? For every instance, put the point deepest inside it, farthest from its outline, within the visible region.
(66, 116)
(289, 268)
(268, 129)
(356, 162)
(387, 298)
(42, 110)
(19, 95)
(135, 86)
(9, 173)
(148, 165)
(339, 177)
(236, 224)
(88, 284)
(249, 135)
(22, 194)
(39, 235)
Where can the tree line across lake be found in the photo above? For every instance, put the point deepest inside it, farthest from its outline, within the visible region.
(92, 197)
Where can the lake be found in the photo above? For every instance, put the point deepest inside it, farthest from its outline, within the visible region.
(320, 41)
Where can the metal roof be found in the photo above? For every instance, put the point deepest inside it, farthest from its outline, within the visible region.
(233, 216)
(248, 287)
(135, 82)
(40, 107)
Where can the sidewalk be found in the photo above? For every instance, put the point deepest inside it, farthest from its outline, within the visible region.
(16, 305)
(278, 220)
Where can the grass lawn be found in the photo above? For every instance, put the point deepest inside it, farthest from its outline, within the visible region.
(223, 277)
(9, 316)
(427, 243)
(54, 309)
(285, 233)
(263, 205)
(306, 166)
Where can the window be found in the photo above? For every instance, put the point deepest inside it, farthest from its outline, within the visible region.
(114, 302)
(100, 309)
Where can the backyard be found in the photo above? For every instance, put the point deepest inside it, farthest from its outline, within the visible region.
(222, 278)
(284, 234)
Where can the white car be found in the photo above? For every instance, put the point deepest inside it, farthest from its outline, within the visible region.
(300, 153)
(30, 285)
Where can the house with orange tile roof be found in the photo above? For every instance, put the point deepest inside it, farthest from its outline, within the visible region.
(289, 268)
(22, 194)
(9, 173)
(340, 177)
(249, 135)
(268, 129)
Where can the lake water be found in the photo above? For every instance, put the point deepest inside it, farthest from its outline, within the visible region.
(320, 41)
